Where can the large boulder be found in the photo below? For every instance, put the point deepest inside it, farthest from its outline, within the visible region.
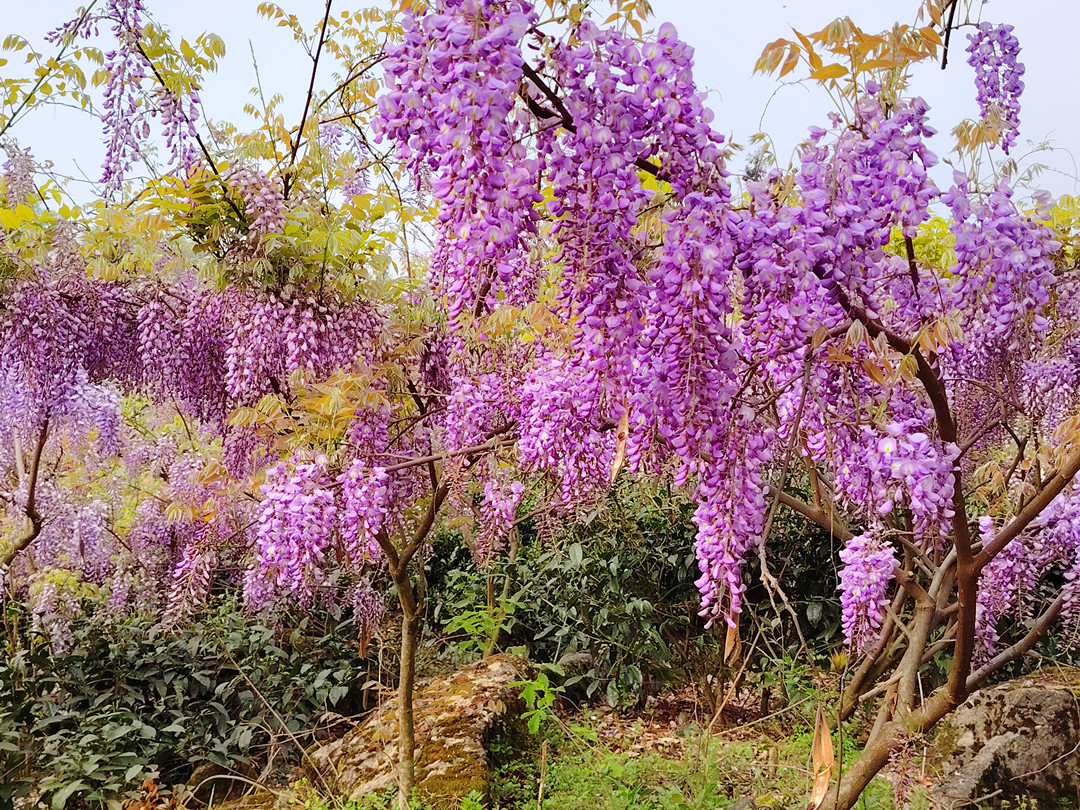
(1016, 741)
(455, 717)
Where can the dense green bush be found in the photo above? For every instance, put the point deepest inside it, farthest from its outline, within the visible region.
(132, 700)
(615, 593)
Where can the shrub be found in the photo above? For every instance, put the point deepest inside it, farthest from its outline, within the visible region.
(132, 700)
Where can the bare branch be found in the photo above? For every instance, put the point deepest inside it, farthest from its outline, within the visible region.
(829, 521)
(1036, 631)
(307, 101)
(1052, 487)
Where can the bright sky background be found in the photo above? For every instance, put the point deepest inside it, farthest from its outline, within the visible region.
(727, 37)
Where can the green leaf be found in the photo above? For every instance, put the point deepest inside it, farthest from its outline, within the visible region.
(61, 796)
(577, 555)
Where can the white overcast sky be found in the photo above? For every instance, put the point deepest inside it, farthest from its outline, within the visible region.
(727, 36)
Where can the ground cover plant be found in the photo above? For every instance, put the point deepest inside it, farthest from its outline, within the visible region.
(239, 370)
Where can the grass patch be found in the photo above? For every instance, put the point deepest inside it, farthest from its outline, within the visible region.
(587, 770)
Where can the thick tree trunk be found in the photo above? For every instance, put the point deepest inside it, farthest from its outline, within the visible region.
(875, 756)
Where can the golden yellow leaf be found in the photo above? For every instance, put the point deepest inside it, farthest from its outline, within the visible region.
(9, 219)
(804, 40)
(934, 11)
(826, 72)
(790, 63)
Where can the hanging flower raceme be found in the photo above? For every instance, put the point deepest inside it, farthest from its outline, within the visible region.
(497, 516)
(18, 175)
(366, 496)
(868, 569)
(1003, 274)
(452, 109)
(264, 199)
(993, 51)
(295, 527)
(731, 511)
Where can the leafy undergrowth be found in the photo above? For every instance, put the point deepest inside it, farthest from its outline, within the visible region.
(658, 758)
(659, 761)
(661, 757)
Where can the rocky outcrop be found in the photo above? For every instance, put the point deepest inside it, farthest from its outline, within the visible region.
(455, 717)
(1019, 740)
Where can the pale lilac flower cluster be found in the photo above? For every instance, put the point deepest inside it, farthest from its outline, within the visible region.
(476, 407)
(264, 200)
(632, 105)
(275, 337)
(54, 608)
(731, 513)
(158, 335)
(688, 343)
(869, 563)
(125, 126)
(191, 580)
(368, 610)
(369, 430)
(907, 468)
(18, 174)
(902, 770)
(498, 512)
(296, 525)
(365, 495)
(1005, 267)
(65, 245)
(1008, 585)
(332, 138)
(124, 116)
(57, 345)
(178, 118)
(1001, 585)
(994, 54)
(561, 436)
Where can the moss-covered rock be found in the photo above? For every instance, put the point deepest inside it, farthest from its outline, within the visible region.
(1016, 741)
(456, 716)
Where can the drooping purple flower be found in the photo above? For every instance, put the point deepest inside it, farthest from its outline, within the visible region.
(993, 52)
(864, 588)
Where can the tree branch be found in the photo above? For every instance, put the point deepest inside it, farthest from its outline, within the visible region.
(829, 521)
(31, 503)
(1037, 631)
(1051, 489)
(287, 179)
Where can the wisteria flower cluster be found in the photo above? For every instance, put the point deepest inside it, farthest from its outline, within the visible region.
(125, 116)
(451, 110)
(264, 199)
(18, 173)
(296, 527)
(868, 569)
(993, 51)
